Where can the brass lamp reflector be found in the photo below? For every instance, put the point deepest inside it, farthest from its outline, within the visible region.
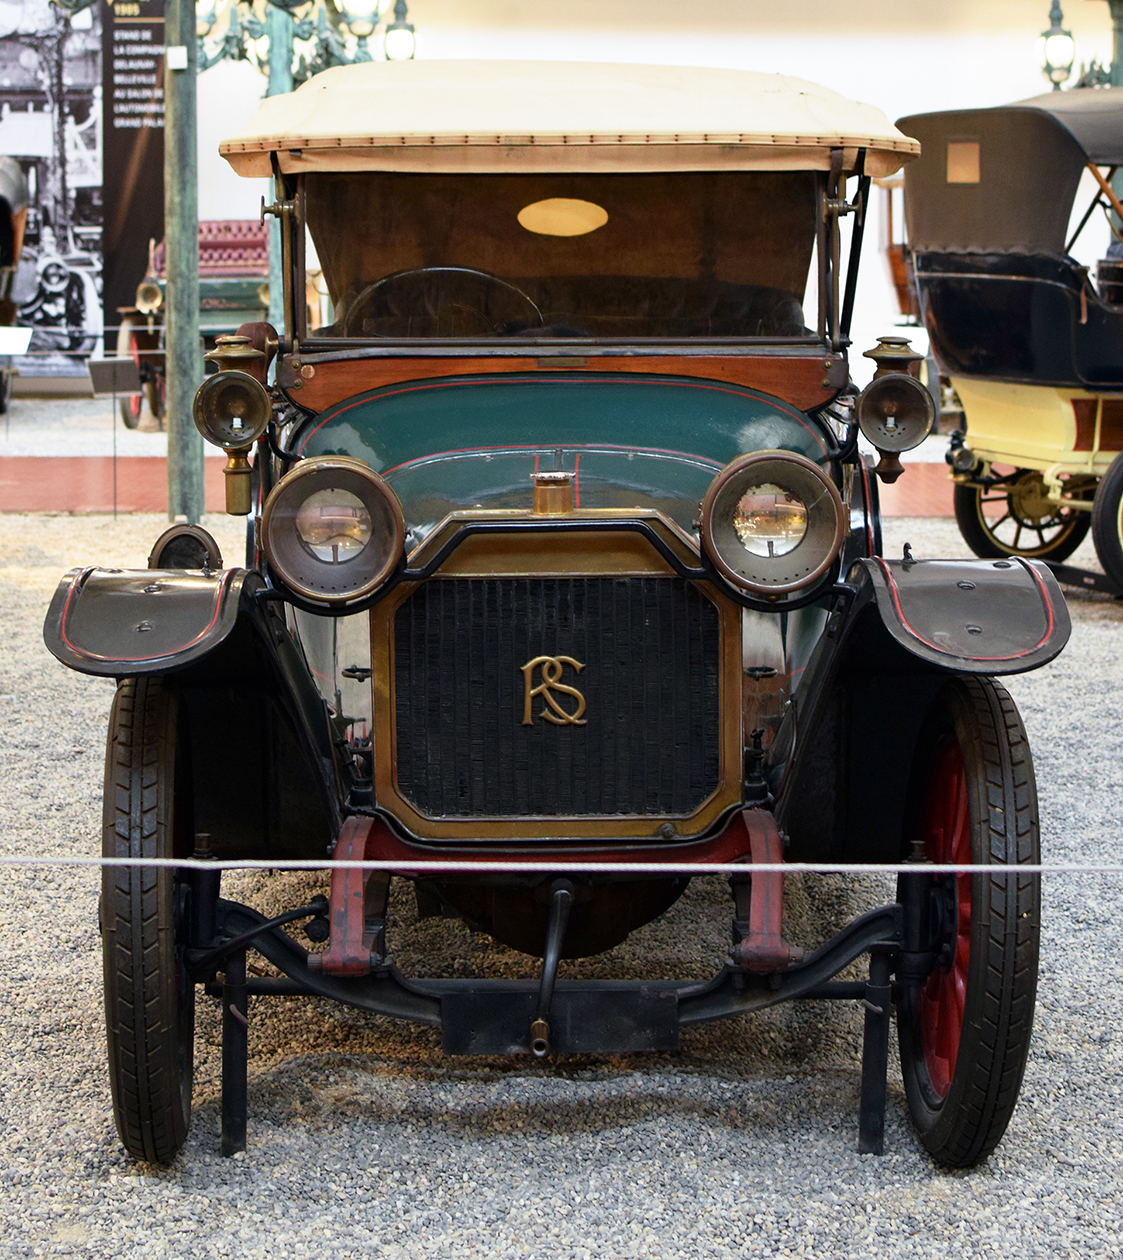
(332, 530)
(231, 409)
(772, 522)
(149, 296)
(895, 412)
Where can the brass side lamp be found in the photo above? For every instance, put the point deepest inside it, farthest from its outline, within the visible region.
(232, 410)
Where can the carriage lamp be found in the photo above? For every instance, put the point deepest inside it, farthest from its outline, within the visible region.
(332, 530)
(232, 410)
(1056, 49)
(895, 411)
(149, 296)
(772, 522)
(399, 43)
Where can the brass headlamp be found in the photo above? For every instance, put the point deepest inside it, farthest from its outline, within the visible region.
(149, 295)
(232, 410)
(332, 531)
(772, 523)
(895, 411)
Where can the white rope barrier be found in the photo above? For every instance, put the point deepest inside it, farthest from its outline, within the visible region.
(558, 867)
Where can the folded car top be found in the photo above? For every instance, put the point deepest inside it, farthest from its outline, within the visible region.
(1003, 180)
(520, 116)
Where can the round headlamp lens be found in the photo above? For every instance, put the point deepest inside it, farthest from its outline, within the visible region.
(332, 530)
(772, 523)
(334, 525)
(769, 520)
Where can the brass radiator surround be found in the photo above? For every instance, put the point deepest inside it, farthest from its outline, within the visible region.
(528, 553)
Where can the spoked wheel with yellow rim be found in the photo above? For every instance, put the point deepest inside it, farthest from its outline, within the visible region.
(1014, 517)
(964, 1027)
(1107, 521)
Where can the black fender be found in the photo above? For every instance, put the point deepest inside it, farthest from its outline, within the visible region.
(841, 760)
(264, 772)
(126, 622)
(973, 616)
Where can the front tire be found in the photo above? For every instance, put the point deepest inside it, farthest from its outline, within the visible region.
(128, 347)
(149, 997)
(965, 1030)
(1107, 521)
(1013, 518)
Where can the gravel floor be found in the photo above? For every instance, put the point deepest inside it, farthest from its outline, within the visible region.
(365, 1141)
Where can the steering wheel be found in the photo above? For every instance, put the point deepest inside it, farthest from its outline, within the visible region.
(440, 302)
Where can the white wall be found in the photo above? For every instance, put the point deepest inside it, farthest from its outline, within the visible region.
(904, 58)
(229, 94)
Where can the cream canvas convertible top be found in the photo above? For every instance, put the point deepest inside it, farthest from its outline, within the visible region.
(522, 116)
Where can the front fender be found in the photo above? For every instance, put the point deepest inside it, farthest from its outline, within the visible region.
(122, 622)
(262, 764)
(972, 616)
(840, 761)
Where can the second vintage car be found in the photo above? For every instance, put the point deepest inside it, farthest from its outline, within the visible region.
(1032, 345)
(565, 585)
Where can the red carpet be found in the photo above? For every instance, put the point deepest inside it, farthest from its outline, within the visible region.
(85, 484)
(922, 490)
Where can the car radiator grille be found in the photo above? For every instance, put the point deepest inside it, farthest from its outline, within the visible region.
(647, 741)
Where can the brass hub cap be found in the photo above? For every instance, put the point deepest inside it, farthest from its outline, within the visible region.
(1029, 500)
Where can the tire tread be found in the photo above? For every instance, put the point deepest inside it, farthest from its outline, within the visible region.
(138, 924)
(998, 1025)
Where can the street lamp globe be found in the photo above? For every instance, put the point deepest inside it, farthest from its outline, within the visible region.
(370, 10)
(1056, 49)
(400, 41)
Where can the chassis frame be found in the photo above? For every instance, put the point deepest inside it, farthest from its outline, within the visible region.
(490, 1017)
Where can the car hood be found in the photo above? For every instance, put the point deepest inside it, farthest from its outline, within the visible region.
(629, 440)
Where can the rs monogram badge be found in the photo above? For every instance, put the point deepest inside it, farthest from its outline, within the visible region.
(551, 683)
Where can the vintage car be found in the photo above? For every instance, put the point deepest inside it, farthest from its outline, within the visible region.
(564, 585)
(233, 290)
(1033, 348)
(13, 224)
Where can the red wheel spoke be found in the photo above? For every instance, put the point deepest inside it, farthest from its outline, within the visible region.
(963, 943)
(959, 998)
(947, 838)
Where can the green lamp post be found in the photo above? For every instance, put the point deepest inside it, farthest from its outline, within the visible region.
(1115, 73)
(288, 41)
